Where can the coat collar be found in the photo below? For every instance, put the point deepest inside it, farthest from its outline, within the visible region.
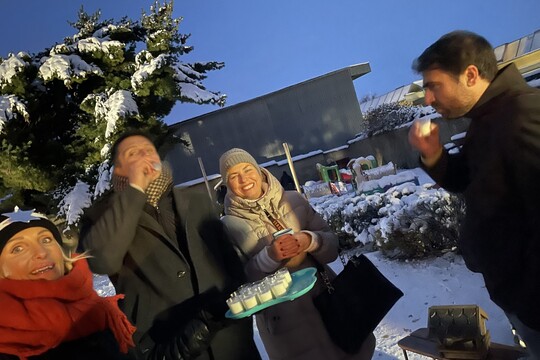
(507, 79)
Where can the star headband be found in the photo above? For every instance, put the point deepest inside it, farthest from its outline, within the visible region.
(13, 222)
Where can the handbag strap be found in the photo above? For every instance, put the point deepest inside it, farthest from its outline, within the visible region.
(324, 274)
(273, 220)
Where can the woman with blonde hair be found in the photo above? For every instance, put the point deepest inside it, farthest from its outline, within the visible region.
(49, 309)
(256, 206)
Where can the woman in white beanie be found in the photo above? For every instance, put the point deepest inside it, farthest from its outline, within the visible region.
(256, 206)
(48, 307)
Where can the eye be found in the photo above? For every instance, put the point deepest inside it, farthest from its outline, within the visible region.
(16, 249)
(47, 240)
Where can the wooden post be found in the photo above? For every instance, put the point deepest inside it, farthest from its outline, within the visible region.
(205, 180)
(291, 167)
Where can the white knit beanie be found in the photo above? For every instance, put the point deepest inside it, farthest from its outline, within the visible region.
(233, 157)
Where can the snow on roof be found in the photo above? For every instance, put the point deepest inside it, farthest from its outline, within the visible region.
(336, 149)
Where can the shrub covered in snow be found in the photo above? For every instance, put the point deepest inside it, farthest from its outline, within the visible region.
(388, 117)
(407, 221)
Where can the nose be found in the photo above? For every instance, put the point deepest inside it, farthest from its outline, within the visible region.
(428, 97)
(39, 251)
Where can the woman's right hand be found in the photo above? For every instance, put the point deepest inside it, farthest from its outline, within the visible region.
(284, 247)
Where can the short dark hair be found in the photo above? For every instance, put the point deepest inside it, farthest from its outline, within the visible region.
(455, 51)
(126, 134)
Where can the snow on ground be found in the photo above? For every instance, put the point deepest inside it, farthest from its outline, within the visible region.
(439, 281)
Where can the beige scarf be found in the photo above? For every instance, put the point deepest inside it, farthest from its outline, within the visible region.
(155, 190)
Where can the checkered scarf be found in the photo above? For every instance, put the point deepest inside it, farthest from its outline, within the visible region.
(156, 188)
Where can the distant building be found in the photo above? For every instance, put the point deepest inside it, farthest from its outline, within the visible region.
(524, 52)
(320, 113)
(319, 118)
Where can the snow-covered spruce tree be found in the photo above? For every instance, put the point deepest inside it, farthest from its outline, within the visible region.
(61, 109)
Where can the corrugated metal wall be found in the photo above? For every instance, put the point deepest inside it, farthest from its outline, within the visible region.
(321, 113)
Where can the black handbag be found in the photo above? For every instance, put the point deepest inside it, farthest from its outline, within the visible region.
(355, 302)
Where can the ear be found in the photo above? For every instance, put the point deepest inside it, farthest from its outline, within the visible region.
(472, 75)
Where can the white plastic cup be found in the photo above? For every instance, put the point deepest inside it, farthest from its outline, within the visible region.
(249, 300)
(278, 287)
(424, 125)
(264, 293)
(282, 232)
(284, 272)
(157, 166)
(235, 305)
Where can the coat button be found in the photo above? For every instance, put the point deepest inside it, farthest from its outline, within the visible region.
(181, 274)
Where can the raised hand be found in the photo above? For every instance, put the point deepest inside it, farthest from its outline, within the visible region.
(429, 144)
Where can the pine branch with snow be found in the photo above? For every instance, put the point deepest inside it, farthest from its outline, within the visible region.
(61, 109)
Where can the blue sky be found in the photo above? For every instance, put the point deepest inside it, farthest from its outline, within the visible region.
(269, 45)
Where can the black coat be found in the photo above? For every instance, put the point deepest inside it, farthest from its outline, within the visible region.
(172, 263)
(101, 345)
(498, 171)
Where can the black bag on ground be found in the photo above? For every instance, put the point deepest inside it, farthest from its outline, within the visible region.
(355, 303)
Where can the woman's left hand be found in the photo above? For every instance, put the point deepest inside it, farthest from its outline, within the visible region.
(303, 239)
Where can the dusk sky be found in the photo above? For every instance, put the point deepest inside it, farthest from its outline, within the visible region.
(269, 45)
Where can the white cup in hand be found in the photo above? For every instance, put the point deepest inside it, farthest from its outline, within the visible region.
(424, 125)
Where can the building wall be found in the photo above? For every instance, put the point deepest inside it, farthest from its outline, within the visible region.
(393, 146)
(321, 113)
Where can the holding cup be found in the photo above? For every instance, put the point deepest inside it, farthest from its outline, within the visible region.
(282, 232)
(424, 126)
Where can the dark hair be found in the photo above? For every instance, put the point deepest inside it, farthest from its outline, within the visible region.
(455, 51)
(126, 134)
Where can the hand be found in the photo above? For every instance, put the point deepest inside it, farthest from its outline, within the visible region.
(429, 146)
(189, 343)
(303, 239)
(284, 247)
(142, 173)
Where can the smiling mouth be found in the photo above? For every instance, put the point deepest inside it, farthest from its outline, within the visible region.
(42, 270)
(248, 187)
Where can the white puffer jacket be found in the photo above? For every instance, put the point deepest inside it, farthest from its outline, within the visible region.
(292, 330)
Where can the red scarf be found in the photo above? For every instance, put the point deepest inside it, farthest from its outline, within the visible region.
(37, 315)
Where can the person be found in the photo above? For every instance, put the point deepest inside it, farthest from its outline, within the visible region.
(287, 181)
(49, 307)
(168, 253)
(256, 206)
(497, 168)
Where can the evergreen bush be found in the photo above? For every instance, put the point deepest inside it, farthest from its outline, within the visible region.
(405, 222)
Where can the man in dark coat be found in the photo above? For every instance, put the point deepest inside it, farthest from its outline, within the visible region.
(497, 170)
(168, 253)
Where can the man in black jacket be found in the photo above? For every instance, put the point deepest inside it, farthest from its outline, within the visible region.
(497, 169)
(168, 253)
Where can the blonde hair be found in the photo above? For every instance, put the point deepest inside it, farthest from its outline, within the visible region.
(69, 261)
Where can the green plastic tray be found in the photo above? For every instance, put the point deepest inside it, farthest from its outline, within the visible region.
(302, 281)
